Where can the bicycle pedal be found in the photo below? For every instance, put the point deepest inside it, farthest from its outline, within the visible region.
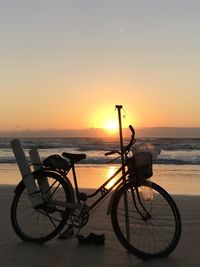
(66, 234)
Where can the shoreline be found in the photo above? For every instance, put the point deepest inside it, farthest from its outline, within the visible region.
(177, 180)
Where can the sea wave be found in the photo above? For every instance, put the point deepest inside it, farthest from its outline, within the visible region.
(173, 150)
(88, 144)
(101, 159)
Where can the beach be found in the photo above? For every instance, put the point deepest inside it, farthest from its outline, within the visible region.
(106, 92)
(14, 252)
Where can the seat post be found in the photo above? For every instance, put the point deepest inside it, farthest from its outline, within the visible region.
(75, 182)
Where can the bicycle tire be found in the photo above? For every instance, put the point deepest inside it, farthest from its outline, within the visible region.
(40, 225)
(156, 237)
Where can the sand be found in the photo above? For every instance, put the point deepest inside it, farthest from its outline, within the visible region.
(14, 252)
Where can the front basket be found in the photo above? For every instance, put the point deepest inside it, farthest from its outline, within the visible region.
(140, 165)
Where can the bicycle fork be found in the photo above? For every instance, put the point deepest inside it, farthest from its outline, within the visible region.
(145, 215)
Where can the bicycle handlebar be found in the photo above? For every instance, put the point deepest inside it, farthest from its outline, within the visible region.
(126, 148)
(111, 152)
(132, 130)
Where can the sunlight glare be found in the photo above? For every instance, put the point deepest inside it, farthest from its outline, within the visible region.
(111, 171)
(106, 118)
(111, 126)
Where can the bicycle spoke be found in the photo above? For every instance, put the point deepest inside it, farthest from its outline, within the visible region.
(44, 223)
(153, 222)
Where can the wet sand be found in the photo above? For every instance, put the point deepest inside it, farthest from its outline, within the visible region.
(14, 252)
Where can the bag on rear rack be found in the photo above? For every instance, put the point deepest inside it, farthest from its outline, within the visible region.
(56, 162)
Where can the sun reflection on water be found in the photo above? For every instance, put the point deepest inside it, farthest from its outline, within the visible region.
(111, 170)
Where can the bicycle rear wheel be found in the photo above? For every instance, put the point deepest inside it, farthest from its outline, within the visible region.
(41, 224)
(154, 223)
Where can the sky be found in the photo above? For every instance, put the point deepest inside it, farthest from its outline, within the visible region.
(65, 64)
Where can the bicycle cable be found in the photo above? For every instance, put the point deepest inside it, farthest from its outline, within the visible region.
(124, 116)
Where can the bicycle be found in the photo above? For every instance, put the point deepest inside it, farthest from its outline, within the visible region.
(144, 216)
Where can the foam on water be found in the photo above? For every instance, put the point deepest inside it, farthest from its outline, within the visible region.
(173, 150)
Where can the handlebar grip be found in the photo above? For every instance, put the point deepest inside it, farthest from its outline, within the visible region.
(111, 153)
(132, 130)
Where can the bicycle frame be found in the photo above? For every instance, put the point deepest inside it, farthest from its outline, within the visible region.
(101, 190)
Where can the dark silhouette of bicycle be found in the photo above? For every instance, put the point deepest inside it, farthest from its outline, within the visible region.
(144, 216)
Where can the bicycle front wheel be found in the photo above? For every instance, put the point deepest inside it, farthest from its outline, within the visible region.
(41, 224)
(151, 227)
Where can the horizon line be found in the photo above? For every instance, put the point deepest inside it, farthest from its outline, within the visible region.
(190, 132)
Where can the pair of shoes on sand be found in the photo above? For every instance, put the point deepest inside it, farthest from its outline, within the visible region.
(92, 239)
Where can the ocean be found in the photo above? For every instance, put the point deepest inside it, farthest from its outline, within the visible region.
(177, 168)
(174, 151)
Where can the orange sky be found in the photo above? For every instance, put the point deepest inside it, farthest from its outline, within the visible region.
(66, 66)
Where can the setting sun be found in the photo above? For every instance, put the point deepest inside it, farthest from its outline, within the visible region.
(111, 126)
(106, 118)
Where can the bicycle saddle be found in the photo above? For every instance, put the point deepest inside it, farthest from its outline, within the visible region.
(74, 157)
